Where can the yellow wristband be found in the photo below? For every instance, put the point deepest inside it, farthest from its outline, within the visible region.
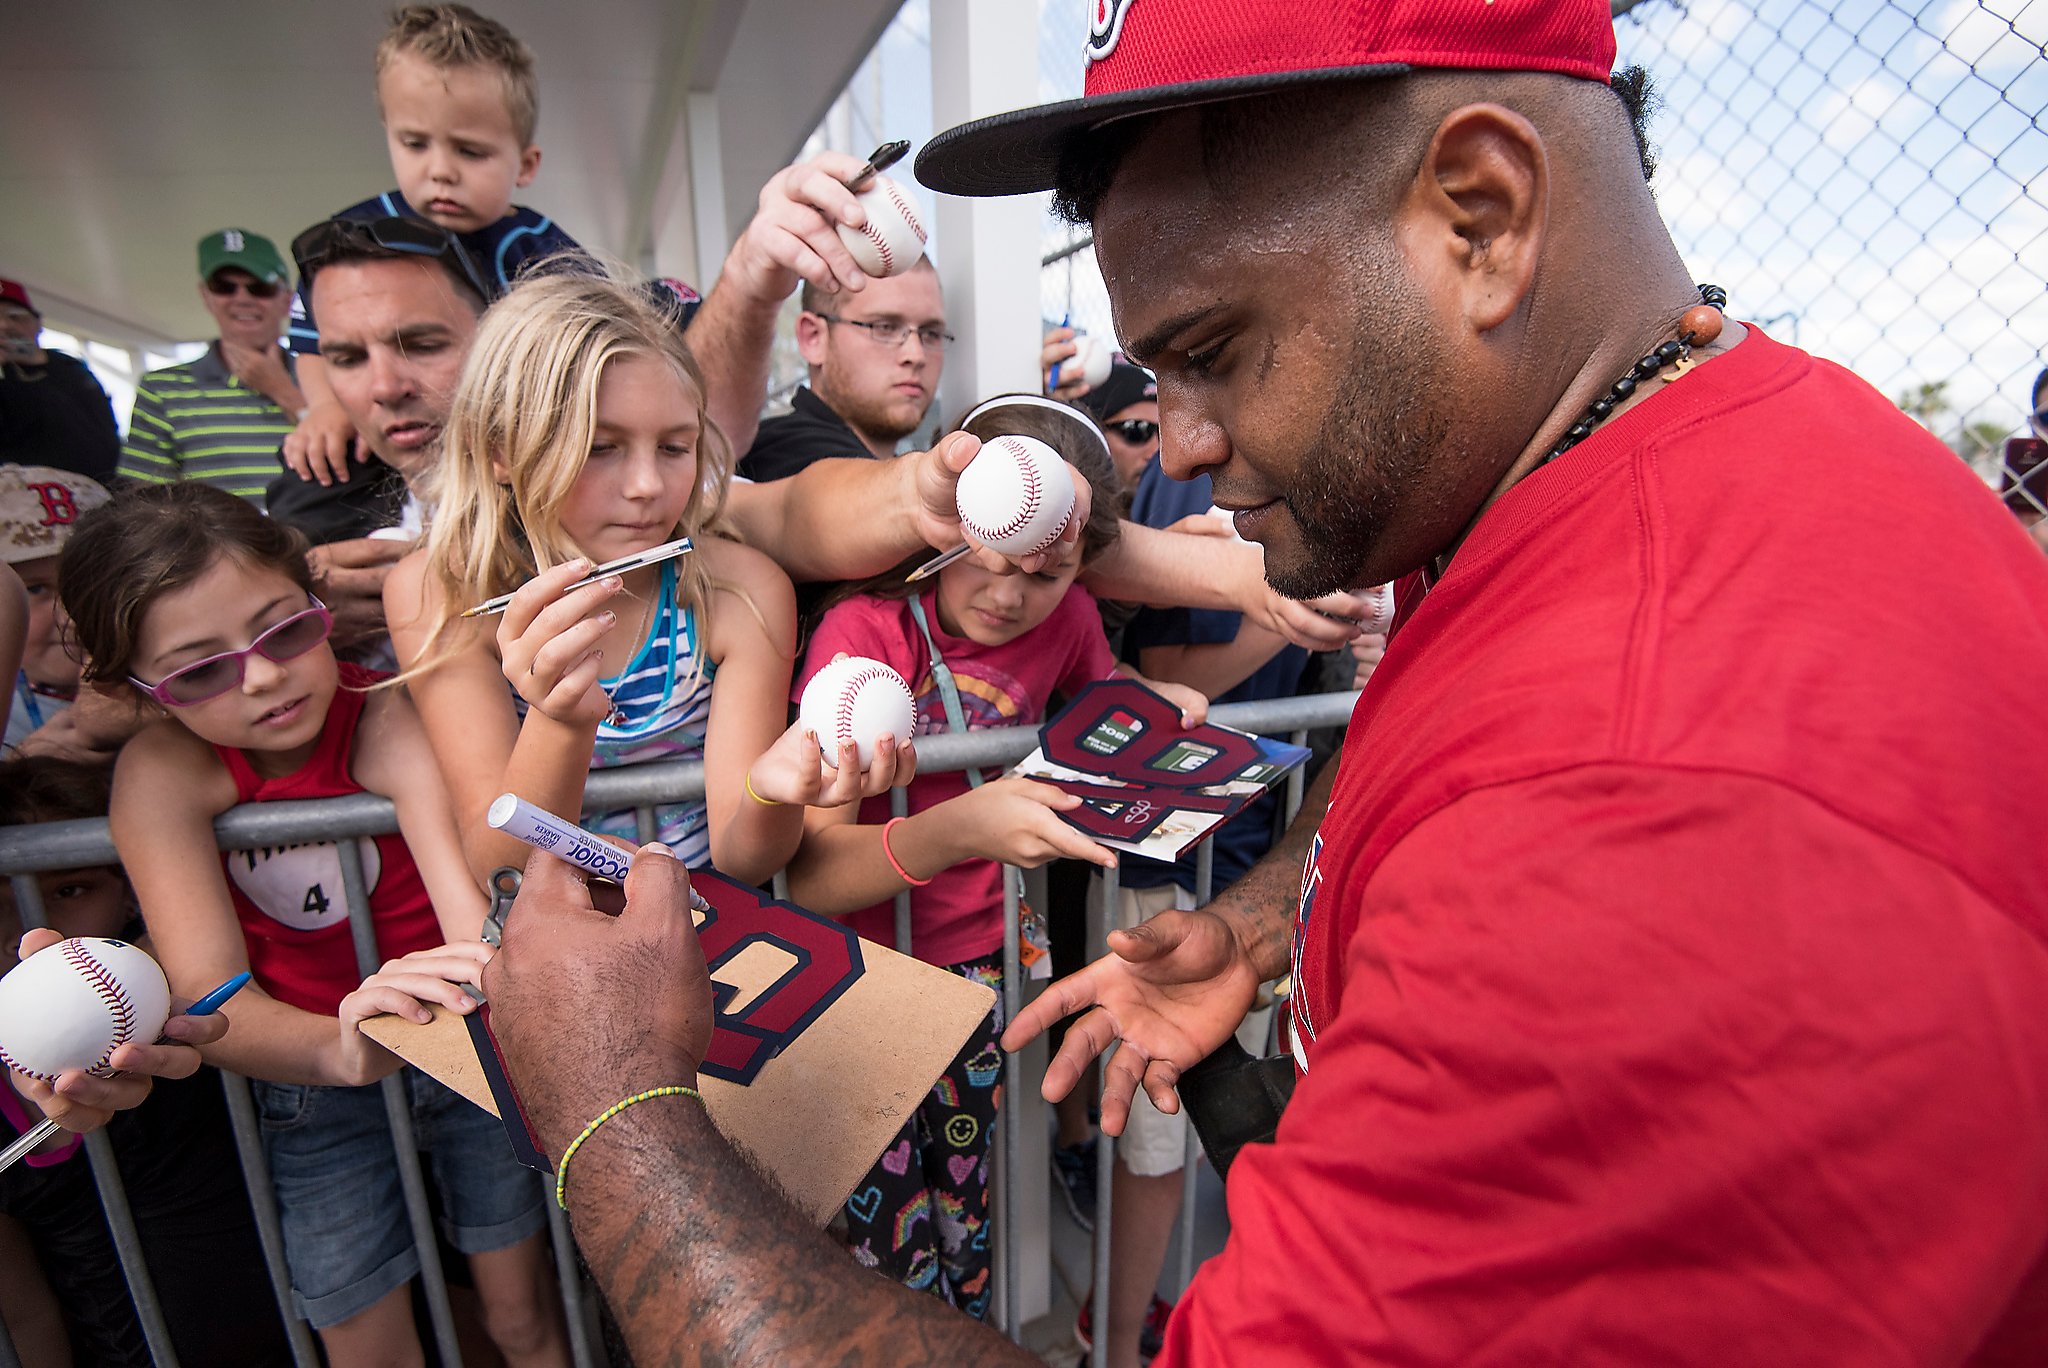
(764, 802)
(562, 1169)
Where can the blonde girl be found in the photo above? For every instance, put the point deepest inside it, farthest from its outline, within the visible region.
(578, 435)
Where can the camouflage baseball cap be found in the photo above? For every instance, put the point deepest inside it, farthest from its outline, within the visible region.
(39, 505)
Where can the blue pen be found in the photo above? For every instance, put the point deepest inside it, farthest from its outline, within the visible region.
(1067, 321)
(206, 1006)
(211, 1003)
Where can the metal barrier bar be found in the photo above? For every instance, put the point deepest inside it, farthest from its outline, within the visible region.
(899, 806)
(398, 1111)
(85, 843)
(644, 826)
(263, 1203)
(1105, 1148)
(1005, 1196)
(569, 1278)
(1205, 889)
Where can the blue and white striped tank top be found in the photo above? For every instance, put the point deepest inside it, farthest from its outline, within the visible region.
(660, 713)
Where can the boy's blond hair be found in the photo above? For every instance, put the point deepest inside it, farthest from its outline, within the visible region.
(449, 36)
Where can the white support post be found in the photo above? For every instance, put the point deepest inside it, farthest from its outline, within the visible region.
(707, 188)
(986, 249)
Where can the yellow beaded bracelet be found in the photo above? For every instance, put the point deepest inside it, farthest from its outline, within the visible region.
(562, 1169)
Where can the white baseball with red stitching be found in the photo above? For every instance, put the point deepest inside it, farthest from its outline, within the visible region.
(857, 700)
(72, 1005)
(1015, 495)
(892, 239)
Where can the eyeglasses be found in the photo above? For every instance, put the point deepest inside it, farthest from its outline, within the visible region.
(891, 334)
(1136, 431)
(204, 680)
(368, 239)
(225, 285)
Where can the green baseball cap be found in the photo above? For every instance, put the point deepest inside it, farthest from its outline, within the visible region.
(238, 247)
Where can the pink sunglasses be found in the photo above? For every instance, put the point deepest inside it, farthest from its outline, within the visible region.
(204, 680)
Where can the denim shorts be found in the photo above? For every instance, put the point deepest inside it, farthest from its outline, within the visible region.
(346, 1237)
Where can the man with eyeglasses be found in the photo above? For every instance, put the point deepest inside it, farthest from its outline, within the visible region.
(874, 360)
(220, 418)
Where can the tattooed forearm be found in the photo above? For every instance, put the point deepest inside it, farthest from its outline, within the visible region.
(704, 1263)
(1261, 904)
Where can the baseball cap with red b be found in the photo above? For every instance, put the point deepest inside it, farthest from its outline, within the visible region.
(1145, 56)
(39, 506)
(14, 292)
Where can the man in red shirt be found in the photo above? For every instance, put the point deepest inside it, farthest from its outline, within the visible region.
(1668, 963)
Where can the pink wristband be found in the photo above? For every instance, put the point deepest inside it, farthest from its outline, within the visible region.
(895, 863)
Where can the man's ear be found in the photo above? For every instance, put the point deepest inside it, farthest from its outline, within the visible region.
(811, 331)
(1478, 209)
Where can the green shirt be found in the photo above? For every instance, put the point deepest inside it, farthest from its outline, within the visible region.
(198, 422)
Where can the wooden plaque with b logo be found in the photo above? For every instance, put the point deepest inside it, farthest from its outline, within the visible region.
(823, 1046)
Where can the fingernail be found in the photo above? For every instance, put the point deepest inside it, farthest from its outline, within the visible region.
(656, 848)
(608, 618)
(614, 583)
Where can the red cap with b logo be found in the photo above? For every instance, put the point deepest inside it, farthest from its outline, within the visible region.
(1149, 55)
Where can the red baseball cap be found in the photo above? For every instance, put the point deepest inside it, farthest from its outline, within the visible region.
(1150, 55)
(14, 292)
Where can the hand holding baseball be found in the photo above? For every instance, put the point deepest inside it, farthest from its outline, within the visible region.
(80, 1101)
(794, 232)
(794, 770)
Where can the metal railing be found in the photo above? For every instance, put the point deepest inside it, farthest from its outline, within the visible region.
(28, 850)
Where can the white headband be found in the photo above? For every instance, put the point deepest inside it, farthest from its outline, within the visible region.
(1079, 418)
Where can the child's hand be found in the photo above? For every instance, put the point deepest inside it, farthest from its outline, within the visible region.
(1193, 704)
(548, 639)
(401, 988)
(793, 770)
(1017, 821)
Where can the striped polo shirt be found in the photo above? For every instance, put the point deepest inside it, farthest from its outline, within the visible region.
(198, 422)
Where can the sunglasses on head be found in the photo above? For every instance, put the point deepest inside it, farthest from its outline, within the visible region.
(225, 285)
(359, 238)
(205, 680)
(1136, 431)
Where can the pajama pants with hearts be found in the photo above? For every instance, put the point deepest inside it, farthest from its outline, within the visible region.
(921, 1214)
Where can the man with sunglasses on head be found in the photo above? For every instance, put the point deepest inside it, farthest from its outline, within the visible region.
(220, 418)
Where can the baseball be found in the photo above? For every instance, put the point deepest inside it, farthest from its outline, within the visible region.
(71, 1005)
(1015, 495)
(1090, 362)
(857, 700)
(892, 239)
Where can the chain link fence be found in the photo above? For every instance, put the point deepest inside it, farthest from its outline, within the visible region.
(1867, 178)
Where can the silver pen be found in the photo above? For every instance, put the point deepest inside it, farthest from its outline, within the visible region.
(653, 555)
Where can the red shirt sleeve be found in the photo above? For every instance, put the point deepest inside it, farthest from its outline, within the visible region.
(1634, 1066)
